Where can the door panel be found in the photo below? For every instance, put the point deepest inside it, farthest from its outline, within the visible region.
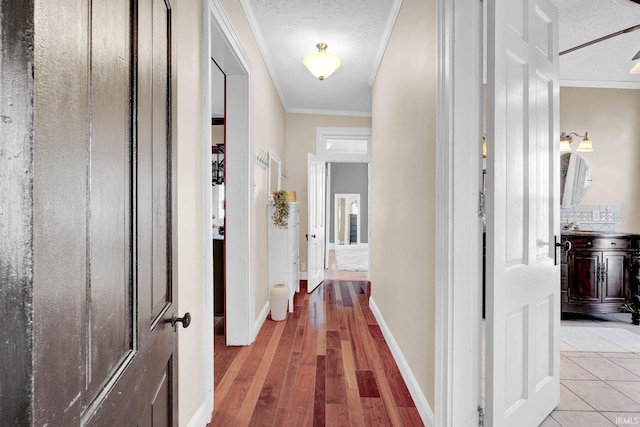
(523, 292)
(583, 276)
(105, 186)
(316, 224)
(108, 291)
(615, 277)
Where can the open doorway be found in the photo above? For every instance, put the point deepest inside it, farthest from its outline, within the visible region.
(347, 152)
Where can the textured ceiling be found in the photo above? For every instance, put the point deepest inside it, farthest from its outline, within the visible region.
(357, 31)
(607, 63)
(288, 30)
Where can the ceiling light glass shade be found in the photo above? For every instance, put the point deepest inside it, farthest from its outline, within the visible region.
(585, 145)
(322, 64)
(635, 69)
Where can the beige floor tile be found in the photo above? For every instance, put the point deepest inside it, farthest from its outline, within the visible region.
(581, 419)
(620, 355)
(570, 402)
(570, 371)
(631, 365)
(630, 389)
(604, 369)
(549, 422)
(601, 396)
(580, 354)
(623, 418)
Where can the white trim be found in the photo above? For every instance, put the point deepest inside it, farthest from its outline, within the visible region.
(422, 405)
(458, 226)
(322, 133)
(202, 416)
(328, 112)
(240, 285)
(386, 35)
(302, 275)
(599, 84)
(199, 417)
(262, 47)
(262, 316)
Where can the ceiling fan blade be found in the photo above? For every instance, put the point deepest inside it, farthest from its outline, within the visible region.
(636, 1)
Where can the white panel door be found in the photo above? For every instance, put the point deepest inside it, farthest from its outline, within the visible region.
(316, 223)
(523, 280)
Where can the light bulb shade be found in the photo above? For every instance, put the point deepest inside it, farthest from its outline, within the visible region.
(322, 64)
(635, 69)
(565, 145)
(585, 145)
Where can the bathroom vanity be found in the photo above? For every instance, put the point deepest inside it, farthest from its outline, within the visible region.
(600, 273)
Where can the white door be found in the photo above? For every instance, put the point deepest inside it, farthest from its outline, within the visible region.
(523, 280)
(315, 229)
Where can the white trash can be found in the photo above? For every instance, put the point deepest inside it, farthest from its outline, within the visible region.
(279, 298)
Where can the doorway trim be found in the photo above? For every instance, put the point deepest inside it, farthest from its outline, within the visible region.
(322, 133)
(458, 225)
(221, 42)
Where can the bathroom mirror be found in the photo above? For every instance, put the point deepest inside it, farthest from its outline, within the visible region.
(574, 179)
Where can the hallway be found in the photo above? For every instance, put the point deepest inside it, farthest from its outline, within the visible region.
(326, 364)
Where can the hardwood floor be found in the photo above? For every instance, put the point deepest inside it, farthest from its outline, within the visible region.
(327, 364)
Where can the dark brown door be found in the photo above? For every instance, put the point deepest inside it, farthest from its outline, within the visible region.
(104, 190)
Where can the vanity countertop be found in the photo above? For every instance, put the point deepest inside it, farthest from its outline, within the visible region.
(589, 233)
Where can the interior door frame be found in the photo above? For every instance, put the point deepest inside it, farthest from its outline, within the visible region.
(343, 133)
(458, 225)
(240, 296)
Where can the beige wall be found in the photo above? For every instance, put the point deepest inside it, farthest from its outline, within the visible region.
(611, 116)
(300, 139)
(190, 205)
(404, 187)
(268, 134)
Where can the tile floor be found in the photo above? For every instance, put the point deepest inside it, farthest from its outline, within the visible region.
(598, 389)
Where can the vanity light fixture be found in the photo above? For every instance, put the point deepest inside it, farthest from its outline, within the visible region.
(585, 145)
(322, 64)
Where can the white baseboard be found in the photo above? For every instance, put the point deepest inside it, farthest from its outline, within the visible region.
(200, 417)
(261, 318)
(302, 275)
(332, 246)
(412, 384)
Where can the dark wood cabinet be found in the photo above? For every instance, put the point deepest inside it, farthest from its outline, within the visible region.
(599, 273)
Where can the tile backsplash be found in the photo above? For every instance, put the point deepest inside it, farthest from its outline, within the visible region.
(593, 217)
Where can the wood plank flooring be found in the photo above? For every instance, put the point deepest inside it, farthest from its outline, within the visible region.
(327, 364)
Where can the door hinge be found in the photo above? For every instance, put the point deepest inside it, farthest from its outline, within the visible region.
(480, 416)
(481, 204)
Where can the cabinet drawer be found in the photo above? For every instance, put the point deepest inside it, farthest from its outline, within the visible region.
(601, 243)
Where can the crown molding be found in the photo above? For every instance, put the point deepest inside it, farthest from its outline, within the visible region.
(391, 22)
(328, 112)
(599, 84)
(262, 47)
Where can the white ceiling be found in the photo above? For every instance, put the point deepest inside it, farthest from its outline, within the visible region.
(604, 64)
(357, 31)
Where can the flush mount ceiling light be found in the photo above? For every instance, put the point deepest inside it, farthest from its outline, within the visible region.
(585, 145)
(322, 64)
